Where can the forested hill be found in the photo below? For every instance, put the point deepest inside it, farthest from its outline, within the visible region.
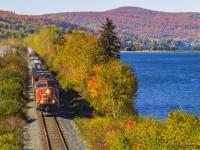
(130, 22)
(18, 26)
(137, 21)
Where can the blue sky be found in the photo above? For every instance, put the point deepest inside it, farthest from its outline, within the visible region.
(37, 7)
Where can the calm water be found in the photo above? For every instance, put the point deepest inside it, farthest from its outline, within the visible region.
(166, 82)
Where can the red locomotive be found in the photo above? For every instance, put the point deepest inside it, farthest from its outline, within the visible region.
(46, 88)
(46, 92)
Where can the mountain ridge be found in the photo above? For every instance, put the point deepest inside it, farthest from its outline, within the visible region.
(135, 21)
(141, 8)
(131, 22)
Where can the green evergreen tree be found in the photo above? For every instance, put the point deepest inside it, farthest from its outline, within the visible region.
(109, 41)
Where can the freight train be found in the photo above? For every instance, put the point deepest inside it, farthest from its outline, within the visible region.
(45, 86)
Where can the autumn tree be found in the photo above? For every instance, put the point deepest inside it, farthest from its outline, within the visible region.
(48, 43)
(76, 60)
(109, 41)
(56, 38)
(112, 93)
(194, 47)
(138, 47)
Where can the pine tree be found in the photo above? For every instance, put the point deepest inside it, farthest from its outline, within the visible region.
(109, 41)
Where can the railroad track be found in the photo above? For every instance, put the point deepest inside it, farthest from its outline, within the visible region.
(53, 134)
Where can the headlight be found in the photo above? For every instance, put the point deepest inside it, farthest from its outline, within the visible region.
(47, 91)
(41, 101)
(53, 101)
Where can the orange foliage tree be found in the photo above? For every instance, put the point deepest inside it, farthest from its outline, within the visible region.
(112, 87)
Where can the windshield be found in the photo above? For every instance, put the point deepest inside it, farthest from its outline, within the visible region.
(40, 85)
(53, 84)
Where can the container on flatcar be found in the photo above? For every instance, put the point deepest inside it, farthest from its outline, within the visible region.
(36, 65)
(31, 59)
(30, 53)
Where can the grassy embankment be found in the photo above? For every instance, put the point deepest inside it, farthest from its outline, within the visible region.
(108, 88)
(12, 101)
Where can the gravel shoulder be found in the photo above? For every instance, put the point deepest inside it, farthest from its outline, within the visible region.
(71, 132)
(32, 134)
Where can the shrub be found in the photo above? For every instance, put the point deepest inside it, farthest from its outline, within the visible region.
(11, 108)
(97, 127)
(182, 129)
(12, 93)
(11, 133)
(12, 81)
(147, 133)
(122, 142)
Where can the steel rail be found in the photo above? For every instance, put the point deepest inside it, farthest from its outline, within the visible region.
(60, 133)
(46, 132)
(58, 129)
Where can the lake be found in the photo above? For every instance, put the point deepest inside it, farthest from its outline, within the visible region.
(167, 82)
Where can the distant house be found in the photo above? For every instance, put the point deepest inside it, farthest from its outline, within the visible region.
(5, 50)
(172, 47)
(127, 49)
(144, 47)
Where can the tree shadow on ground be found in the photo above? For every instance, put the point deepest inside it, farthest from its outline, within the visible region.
(74, 105)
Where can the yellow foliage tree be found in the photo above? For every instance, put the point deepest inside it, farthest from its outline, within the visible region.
(112, 89)
(76, 60)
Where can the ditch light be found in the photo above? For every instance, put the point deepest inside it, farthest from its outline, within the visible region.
(47, 91)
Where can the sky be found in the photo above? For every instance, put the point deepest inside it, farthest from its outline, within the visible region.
(39, 7)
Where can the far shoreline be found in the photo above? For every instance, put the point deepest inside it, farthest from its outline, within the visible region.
(159, 51)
